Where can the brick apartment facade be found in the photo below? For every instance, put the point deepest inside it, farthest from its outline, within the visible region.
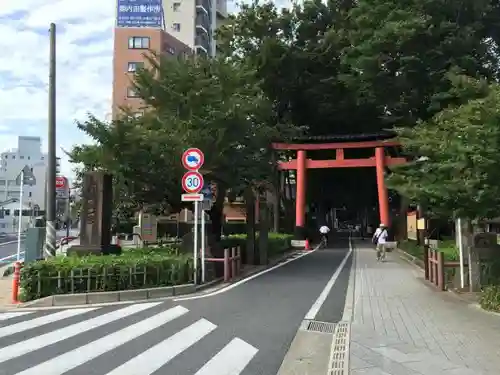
(130, 47)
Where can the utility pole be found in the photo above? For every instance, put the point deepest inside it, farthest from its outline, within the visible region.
(50, 236)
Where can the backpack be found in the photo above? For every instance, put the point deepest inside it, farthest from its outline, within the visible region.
(375, 238)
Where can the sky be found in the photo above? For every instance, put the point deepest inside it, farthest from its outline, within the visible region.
(84, 68)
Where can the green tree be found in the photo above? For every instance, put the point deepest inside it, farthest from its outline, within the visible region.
(214, 104)
(353, 67)
(455, 169)
(349, 67)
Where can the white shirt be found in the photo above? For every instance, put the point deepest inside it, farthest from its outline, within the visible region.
(324, 229)
(382, 235)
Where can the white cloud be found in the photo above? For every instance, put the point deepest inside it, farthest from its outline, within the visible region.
(84, 66)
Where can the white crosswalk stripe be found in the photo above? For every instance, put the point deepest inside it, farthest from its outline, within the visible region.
(37, 342)
(231, 360)
(143, 319)
(30, 324)
(147, 362)
(10, 315)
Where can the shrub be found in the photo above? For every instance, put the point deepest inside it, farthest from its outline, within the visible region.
(134, 269)
(489, 299)
(447, 247)
(278, 243)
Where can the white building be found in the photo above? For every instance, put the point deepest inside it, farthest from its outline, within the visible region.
(194, 22)
(28, 153)
(9, 216)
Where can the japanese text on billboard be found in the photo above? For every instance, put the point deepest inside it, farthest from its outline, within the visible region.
(139, 13)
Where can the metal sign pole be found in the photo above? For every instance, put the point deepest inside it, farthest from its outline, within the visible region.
(461, 253)
(203, 244)
(195, 246)
(20, 218)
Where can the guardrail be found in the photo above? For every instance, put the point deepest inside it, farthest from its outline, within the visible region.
(435, 267)
(232, 262)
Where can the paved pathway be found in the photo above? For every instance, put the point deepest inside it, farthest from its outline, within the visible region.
(402, 326)
(243, 330)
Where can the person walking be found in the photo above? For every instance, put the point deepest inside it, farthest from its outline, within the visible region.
(324, 230)
(379, 239)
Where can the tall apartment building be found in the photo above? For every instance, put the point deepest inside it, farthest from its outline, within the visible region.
(28, 153)
(170, 27)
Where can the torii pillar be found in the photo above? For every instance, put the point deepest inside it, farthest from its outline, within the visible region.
(300, 196)
(383, 199)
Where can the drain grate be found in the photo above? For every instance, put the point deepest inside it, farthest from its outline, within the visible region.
(339, 357)
(317, 326)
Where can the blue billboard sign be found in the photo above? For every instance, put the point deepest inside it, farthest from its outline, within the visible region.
(139, 13)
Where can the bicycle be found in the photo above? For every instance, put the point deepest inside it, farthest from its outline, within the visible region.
(324, 241)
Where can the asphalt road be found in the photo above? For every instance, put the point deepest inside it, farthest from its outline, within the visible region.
(245, 330)
(8, 247)
(8, 250)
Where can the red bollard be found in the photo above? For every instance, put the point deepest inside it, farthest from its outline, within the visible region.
(15, 282)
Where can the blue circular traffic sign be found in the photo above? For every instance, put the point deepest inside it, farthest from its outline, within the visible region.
(192, 182)
(193, 159)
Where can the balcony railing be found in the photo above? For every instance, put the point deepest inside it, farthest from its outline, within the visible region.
(206, 5)
(203, 43)
(203, 21)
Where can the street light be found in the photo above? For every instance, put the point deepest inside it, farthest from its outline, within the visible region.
(26, 177)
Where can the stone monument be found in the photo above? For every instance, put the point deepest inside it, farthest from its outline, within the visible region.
(95, 217)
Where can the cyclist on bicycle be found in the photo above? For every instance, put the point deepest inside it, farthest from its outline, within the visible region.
(324, 230)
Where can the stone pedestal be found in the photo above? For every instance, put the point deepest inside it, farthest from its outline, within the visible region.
(97, 205)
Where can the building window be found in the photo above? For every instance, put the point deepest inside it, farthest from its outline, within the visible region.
(176, 26)
(21, 157)
(176, 6)
(29, 194)
(13, 156)
(138, 42)
(134, 66)
(131, 93)
(29, 158)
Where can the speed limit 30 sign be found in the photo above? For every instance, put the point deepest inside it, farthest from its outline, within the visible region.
(192, 182)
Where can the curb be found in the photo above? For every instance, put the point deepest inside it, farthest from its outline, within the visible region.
(419, 264)
(7, 270)
(410, 258)
(137, 295)
(109, 297)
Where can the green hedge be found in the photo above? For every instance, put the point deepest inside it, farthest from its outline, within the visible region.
(489, 299)
(134, 269)
(448, 247)
(278, 242)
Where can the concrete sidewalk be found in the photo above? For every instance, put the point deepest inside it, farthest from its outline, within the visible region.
(400, 325)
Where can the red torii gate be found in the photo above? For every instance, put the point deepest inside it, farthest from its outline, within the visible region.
(380, 160)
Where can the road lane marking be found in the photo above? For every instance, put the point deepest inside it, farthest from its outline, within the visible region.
(231, 360)
(38, 342)
(37, 322)
(347, 315)
(11, 256)
(313, 311)
(157, 356)
(243, 281)
(74, 358)
(10, 315)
